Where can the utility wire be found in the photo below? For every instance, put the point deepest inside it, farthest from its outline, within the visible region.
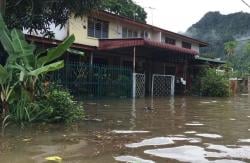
(248, 5)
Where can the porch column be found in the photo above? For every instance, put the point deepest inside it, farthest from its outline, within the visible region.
(91, 59)
(185, 73)
(134, 75)
(134, 59)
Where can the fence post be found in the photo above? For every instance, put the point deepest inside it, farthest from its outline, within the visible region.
(248, 84)
(134, 85)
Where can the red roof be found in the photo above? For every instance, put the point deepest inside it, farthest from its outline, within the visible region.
(56, 42)
(109, 44)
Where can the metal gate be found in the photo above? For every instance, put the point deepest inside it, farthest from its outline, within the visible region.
(85, 80)
(163, 85)
(138, 85)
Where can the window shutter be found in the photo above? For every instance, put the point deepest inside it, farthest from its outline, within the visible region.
(91, 27)
(98, 29)
(105, 30)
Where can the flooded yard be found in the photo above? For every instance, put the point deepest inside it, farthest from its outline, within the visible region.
(180, 129)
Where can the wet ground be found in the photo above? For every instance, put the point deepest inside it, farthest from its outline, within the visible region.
(180, 129)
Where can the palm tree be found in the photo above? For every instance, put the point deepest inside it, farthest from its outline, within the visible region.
(229, 48)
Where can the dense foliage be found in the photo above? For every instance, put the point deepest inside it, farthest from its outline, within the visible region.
(211, 83)
(21, 76)
(38, 15)
(53, 105)
(125, 8)
(217, 29)
(240, 61)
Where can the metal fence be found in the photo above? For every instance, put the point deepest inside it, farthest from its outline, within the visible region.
(85, 80)
(163, 85)
(139, 85)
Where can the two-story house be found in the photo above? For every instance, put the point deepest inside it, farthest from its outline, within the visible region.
(151, 53)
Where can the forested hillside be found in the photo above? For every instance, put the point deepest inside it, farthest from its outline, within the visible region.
(216, 29)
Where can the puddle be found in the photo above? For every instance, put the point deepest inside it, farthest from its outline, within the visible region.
(190, 132)
(212, 136)
(163, 141)
(151, 142)
(244, 140)
(195, 140)
(132, 159)
(241, 152)
(194, 124)
(227, 161)
(205, 102)
(195, 154)
(128, 132)
(182, 153)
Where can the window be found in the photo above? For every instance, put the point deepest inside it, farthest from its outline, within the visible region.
(169, 41)
(124, 32)
(97, 28)
(129, 33)
(186, 45)
(135, 34)
(144, 34)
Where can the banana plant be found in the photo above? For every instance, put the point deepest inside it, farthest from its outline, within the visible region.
(7, 89)
(41, 64)
(23, 66)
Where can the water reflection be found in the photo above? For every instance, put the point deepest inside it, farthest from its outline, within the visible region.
(180, 129)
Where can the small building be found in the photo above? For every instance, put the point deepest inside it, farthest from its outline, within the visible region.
(124, 57)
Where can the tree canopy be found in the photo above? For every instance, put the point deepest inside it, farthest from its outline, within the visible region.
(38, 15)
(125, 8)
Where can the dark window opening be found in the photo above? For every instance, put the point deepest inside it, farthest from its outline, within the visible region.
(97, 28)
(186, 45)
(170, 41)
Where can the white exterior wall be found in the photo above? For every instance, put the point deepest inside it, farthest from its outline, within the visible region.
(156, 36)
(178, 43)
(196, 47)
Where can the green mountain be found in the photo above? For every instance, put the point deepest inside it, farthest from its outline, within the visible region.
(216, 29)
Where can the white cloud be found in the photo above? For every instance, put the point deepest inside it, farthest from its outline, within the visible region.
(178, 15)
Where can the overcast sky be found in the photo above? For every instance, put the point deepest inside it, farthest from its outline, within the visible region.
(178, 15)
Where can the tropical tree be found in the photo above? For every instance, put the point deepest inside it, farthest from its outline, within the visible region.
(23, 66)
(37, 15)
(125, 8)
(229, 47)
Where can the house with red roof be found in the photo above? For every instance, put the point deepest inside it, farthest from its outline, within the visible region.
(123, 54)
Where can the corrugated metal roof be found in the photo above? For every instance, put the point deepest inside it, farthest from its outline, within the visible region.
(210, 60)
(109, 44)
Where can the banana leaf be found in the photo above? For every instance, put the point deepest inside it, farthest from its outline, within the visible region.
(3, 75)
(48, 68)
(5, 37)
(56, 52)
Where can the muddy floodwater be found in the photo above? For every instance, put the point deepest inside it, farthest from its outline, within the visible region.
(180, 129)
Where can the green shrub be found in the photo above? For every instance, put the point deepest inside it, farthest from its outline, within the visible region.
(210, 83)
(55, 105)
(65, 109)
